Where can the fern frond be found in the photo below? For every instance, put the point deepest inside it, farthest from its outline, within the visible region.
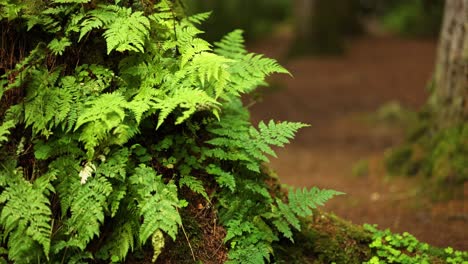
(288, 214)
(48, 23)
(104, 108)
(250, 254)
(120, 242)
(199, 18)
(237, 141)
(192, 48)
(189, 44)
(224, 179)
(157, 203)
(25, 215)
(211, 70)
(5, 130)
(164, 18)
(189, 100)
(302, 201)
(57, 146)
(99, 117)
(88, 25)
(117, 196)
(128, 31)
(257, 187)
(115, 166)
(284, 228)
(300, 204)
(143, 102)
(194, 185)
(231, 45)
(250, 241)
(24, 69)
(160, 213)
(87, 211)
(47, 105)
(276, 134)
(250, 69)
(58, 46)
(68, 180)
(11, 11)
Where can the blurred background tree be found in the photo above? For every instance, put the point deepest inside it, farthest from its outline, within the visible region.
(320, 26)
(438, 143)
(420, 18)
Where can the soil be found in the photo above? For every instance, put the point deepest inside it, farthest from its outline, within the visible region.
(335, 95)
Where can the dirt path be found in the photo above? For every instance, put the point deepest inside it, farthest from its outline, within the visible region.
(333, 94)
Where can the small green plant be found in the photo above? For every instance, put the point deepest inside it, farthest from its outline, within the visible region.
(406, 249)
(361, 168)
(414, 17)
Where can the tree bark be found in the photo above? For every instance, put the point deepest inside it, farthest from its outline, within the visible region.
(303, 10)
(438, 142)
(450, 96)
(321, 25)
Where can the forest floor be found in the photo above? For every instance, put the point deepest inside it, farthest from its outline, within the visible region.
(336, 95)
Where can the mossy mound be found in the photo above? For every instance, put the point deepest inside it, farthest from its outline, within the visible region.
(327, 238)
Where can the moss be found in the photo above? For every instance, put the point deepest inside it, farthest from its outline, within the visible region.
(361, 168)
(441, 157)
(397, 160)
(326, 238)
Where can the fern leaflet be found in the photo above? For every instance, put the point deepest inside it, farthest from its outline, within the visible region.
(194, 184)
(302, 201)
(158, 203)
(5, 130)
(25, 214)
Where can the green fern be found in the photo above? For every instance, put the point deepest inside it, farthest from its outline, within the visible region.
(189, 45)
(158, 203)
(120, 243)
(188, 100)
(124, 29)
(99, 117)
(251, 69)
(5, 130)
(86, 102)
(232, 45)
(134, 26)
(199, 18)
(275, 134)
(223, 178)
(236, 140)
(87, 211)
(194, 184)
(58, 46)
(26, 220)
(302, 201)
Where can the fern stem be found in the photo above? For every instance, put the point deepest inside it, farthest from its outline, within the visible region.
(64, 255)
(188, 242)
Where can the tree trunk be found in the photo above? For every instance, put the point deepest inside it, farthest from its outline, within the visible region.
(450, 95)
(438, 142)
(303, 10)
(321, 25)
